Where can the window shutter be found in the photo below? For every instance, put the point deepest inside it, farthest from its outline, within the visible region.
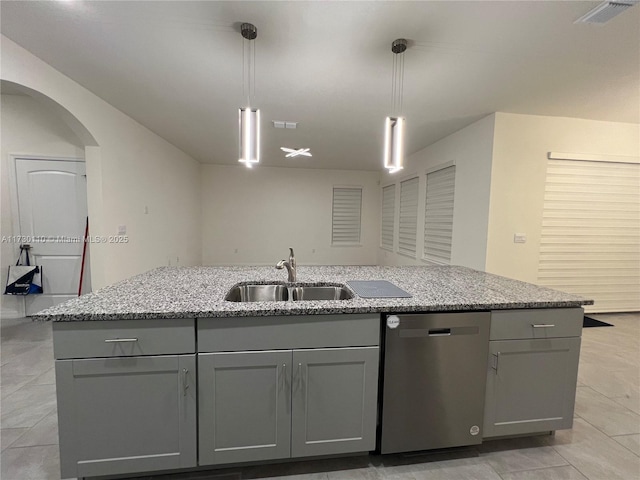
(347, 206)
(408, 217)
(590, 243)
(438, 217)
(388, 216)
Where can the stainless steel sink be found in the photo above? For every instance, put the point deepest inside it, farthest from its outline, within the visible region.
(281, 292)
(320, 293)
(258, 293)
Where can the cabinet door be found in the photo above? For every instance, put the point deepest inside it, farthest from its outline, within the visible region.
(531, 385)
(244, 406)
(334, 401)
(124, 415)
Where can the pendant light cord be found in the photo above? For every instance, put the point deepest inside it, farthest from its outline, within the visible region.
(248, 70)
(244, 70)
(394, 82)
(249, 33)
(397, 78)
(401, 95)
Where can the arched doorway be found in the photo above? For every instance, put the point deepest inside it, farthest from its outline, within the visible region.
(44, 181)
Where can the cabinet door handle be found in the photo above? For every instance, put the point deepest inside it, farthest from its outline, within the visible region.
(283, 373)
(542, 325)
(496, 361)
(286, 391)
(185, 381)
(120, 340)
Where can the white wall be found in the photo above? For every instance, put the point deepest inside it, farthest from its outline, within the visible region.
(26, 128)
(519, 173)
(260, 212)
(471, 149)
(130, 172)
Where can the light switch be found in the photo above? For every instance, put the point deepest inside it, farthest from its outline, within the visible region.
(519, 238)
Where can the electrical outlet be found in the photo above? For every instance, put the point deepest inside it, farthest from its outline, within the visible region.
(519, 238)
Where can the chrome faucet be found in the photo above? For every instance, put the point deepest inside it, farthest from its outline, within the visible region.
(291, 266)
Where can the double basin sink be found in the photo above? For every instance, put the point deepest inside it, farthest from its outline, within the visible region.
(283, 293)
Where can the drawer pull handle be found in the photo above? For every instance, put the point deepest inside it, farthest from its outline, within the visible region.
(120, 340)
(542, 325)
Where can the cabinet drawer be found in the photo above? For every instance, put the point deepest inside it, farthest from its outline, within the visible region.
(536, 323)
(229, 334)
(123, 338)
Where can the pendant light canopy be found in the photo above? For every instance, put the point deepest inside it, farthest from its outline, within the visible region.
(249, 118)
(394, 124)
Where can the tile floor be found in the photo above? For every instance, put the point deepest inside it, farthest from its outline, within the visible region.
(604, 443)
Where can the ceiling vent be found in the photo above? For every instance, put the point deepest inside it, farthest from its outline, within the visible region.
(281, 124)
(606, 11)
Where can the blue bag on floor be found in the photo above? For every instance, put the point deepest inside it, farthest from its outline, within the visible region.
(24, 279)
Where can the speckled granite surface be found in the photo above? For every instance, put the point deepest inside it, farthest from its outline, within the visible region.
(188, 292)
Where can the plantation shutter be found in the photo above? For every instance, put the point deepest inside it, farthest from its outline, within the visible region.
(388, 216)
(438, 217)
(590, 242)
(408, 217)
(347, 206)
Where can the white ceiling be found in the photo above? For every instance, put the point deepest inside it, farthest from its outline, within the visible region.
(176, 67)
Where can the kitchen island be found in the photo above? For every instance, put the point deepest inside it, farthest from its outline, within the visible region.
(159, 372)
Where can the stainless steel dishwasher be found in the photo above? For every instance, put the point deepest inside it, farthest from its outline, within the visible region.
(433, 383)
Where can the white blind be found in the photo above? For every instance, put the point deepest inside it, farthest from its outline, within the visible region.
(590, 242)
(387, 225)
(408, 217)
(347, 206)
(438, 216)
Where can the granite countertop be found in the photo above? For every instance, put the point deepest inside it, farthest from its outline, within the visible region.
(192, 292)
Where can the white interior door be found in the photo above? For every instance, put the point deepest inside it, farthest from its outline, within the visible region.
(52, 205)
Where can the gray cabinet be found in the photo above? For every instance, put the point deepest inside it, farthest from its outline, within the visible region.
(281, 387)
(126, 414)
(278, 404)
(245, 406)
(126, 396)
(531, 379)
(334, 401)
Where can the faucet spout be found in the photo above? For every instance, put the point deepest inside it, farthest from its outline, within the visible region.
(289, 265)
(292, 259)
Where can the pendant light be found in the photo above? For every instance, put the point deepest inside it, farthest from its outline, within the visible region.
(249, 118)
(394, 124)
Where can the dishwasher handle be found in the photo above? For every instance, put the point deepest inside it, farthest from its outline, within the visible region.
(437, 332)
